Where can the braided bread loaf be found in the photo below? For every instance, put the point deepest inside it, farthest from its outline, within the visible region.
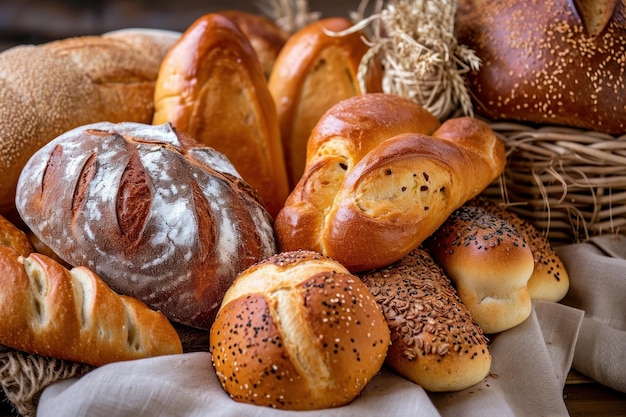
(381, 176)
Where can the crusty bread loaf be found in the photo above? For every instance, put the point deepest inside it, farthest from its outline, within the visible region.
(434, 340)
(314, 71)
(14, 238)
(490, 264)
(211, 86)
(265, 36)
(48, 89)
(550, 279)
(298, 331)
(371, 193)
(153, 213)
(556, 62)
(73, 315)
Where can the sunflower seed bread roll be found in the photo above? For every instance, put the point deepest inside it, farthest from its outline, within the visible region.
(434, 340)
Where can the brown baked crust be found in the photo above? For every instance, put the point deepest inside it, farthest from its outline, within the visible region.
(490, 264)
(550, 279)
(153, 213)
(48, 89)
(540, 64)
(298, 331)
(434, 340)
(265, 36)
(371, 193)
(48, 310)
(211, 86)
(14, 238)
(314, 71)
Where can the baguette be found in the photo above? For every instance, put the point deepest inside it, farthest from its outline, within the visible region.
(15, 238)
(48, 310)
(371, 194)
(48, 89)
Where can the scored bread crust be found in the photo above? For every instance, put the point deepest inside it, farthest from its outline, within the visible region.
(152, 212)
(380, 183)
(211, 86)
(490, 264)
(434, 340)
(51, 311)
(298, 331)
(48, 89)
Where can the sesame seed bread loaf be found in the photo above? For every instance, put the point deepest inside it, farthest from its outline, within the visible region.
(298, 331)
(156, 215)
(434, 340)
(314, 71)
(48, 89)
(557, 62)
(48, 310)
(211, 86)
(490, 264)
(550, 279)
(382, 175)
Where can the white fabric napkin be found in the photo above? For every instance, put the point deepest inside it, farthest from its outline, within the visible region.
(530, 363)
(597, 271)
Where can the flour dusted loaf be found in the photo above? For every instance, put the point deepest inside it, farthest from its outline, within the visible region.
(48, 89)
(381, 176)
(153, 213)
(490, 264)
(434, 340)
(298, 331)
(211, 86)
(555, 62)
(48, 310)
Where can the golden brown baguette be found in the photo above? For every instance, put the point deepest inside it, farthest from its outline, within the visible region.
(314, 71)
(71, 314)
(211, 86)
(434, 340)
(298, 331)
(48, 89)
(15, 238)
(368, 206)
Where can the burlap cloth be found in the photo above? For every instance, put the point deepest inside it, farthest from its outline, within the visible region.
(586, 331)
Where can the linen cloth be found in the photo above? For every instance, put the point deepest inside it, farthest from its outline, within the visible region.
(529, 366)
(597, 270)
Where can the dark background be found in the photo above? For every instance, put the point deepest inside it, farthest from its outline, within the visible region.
(37, 21)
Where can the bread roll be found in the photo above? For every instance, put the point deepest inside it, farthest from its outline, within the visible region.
(371, 193)
(434, 340)
(212, 87)
(48, 89)
(14, 238)
(550, 279)
(265, 36)
(557, 62)
(153, 213)
(73, 315)
(314, 71)
(490, 264)
(298, 331)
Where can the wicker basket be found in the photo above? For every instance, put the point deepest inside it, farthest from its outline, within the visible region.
(571, 184)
